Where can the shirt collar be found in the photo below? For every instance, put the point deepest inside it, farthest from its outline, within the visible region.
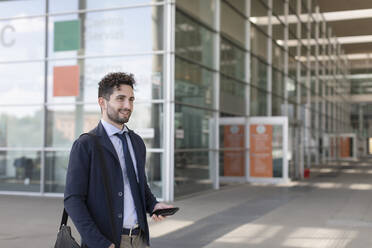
(111, 129)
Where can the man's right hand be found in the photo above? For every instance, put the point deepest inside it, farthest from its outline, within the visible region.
(112, 246)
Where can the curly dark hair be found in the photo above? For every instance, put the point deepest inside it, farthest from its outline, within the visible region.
(114, 80)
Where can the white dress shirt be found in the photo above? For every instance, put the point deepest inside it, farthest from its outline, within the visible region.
(130, 215)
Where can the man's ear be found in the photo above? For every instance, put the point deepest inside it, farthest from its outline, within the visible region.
(101, 102)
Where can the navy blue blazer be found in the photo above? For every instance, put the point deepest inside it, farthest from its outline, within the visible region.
(84, 198)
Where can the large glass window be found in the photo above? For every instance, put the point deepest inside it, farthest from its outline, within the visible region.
(154, 166)
(106, 32)
(67, 122)
(232, 96)
(277, 82)
(232, 23)
(22, 88)
(203, 10)
(258, 102)
(147, 70)
(56, 163)
(21, 39)
(194, 41)
(259, 8)
(21, 126)
(278, 56)
(192, 127)
(9, 8)
(93, 4)
(56, 170)
(147, 121)
(259, 42)
(192, 172)
(258, 73)
(20, 171)
(291, 87)
(278, 9)
(193, 84)
(232, 59)
(277, 104)
(43, 112)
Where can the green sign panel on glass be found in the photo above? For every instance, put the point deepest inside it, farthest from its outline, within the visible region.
(67, 35)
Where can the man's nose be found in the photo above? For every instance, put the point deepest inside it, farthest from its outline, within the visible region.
(127, 104)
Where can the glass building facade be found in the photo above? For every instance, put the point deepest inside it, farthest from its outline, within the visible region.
(195, 62)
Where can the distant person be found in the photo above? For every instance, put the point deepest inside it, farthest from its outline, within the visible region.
(125, 156)
(24, 166)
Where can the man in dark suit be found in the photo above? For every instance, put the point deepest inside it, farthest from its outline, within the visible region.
(124, 153)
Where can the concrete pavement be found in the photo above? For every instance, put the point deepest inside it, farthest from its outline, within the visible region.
(331, 209)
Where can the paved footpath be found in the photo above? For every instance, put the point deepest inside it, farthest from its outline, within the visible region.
(331, 209)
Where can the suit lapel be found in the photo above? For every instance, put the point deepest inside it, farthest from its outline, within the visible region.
(106, 142)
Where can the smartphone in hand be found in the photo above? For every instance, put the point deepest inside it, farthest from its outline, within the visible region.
(165, 211)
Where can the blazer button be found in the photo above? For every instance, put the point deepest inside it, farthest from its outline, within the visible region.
(120, 216)
(120, 194)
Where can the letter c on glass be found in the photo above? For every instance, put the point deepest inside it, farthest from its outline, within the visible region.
(3, 31)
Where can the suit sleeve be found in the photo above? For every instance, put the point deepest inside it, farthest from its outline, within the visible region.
(76, 190)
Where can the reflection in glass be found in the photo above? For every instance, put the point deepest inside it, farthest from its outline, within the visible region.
(20, 171)
(147, 71)
(259, 42)
(232, 59)
(259, 8)
(278, 105)
(192, 127)
(96, 4)
(191, 173)
(72, 5)
(291, 88)
(147, 121)
(277, 82)
(21, 88)
(258, 73)
(193, 84)
(203, 10)
(21, 126)
(65, 123)
(278, 55)
(56, 163)
(10, 8)
(127, 30)
(63, 6)
(232, 96)
(232, 23)
(258, 102)
(21, 38)
(154, 163)
(277, 151)
(112, 32)
(278, 9)
(194, 41)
